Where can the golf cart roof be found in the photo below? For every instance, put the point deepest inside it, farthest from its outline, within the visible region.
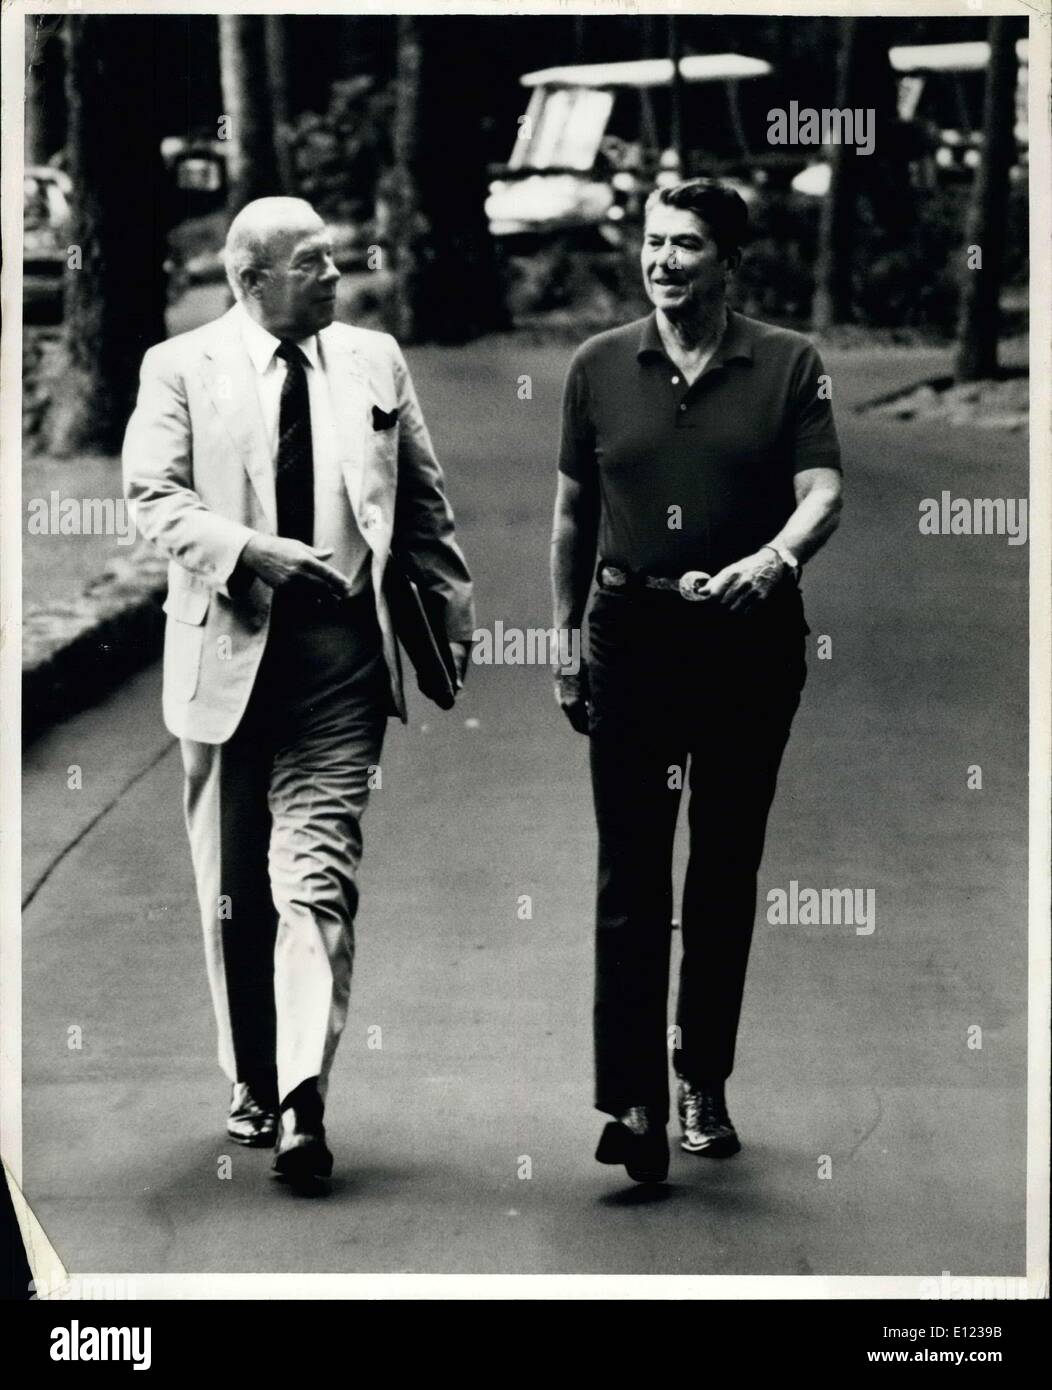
(947, 57)
(650, 72)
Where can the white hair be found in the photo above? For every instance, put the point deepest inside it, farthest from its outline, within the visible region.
(254, 233)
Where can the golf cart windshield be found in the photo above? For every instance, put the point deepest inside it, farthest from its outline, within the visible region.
(562, 128)
(571, 107)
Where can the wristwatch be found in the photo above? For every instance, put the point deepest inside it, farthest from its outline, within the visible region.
(788, 559)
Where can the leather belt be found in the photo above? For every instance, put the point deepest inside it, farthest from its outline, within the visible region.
(688, 586)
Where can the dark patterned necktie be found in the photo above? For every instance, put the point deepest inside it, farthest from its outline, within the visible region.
(294, 479)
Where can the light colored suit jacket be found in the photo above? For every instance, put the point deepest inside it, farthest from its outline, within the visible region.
(199, 472)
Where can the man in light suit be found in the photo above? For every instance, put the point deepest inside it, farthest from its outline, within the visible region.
(277, 458)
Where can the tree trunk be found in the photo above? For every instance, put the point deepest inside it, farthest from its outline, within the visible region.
(35, 144)
(884, 175)
(832, 298)
(449, 286)
(401, 222)
(275, 34)
(252, 166)
(115, 288)
(675, 136)
(580, 38)
(979, 319)
(45, 100)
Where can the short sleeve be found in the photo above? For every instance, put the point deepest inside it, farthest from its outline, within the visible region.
(577, 445)
(814, 438)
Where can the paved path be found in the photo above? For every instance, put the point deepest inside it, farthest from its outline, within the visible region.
(854, 1047)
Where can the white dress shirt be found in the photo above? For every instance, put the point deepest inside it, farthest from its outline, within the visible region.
(335, 525)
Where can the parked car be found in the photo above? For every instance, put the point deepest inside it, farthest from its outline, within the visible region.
(45, 242)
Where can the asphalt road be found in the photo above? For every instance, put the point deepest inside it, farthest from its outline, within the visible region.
(464, 1143)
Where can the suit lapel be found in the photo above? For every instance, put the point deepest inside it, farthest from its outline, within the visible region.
(349, 392)
(229, 379)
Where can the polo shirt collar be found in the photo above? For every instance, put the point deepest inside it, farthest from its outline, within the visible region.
(261, 345)
(736, 342)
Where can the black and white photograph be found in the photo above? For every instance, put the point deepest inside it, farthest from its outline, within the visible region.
(526, 655)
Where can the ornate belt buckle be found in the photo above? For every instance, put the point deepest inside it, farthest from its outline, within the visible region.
(691, 584)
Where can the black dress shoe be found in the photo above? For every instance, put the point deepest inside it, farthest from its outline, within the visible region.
(637, 1142)
(302, 1158)
(253, 1118)
(707, 1127)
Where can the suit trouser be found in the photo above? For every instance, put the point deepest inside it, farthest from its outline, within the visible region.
(274, 819)
(673, 682)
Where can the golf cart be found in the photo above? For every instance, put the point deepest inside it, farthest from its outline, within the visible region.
(940, 94)
(941, 86)
(595, 138)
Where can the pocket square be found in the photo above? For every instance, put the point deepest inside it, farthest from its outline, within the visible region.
(384, 419)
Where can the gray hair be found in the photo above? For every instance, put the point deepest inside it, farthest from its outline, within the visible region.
(252, 242)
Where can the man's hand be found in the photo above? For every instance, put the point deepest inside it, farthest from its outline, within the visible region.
(461, 652)
(741, 586)
(571, 695)
(277, 560)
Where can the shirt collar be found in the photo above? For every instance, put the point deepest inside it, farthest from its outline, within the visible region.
(735, 343)
(261, 345)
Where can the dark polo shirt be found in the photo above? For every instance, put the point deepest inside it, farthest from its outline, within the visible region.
(723, 451)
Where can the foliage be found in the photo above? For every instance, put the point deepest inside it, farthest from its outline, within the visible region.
(900, 282)
(911, 282)
(595, 287)
(776, 277)
(339, 156)
(917, 283)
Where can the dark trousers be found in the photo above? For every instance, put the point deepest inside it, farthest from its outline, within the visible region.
(676, 683)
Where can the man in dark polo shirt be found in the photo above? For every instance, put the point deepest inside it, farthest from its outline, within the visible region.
(699, 468)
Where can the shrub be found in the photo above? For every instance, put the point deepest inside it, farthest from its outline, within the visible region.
(338, 156)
